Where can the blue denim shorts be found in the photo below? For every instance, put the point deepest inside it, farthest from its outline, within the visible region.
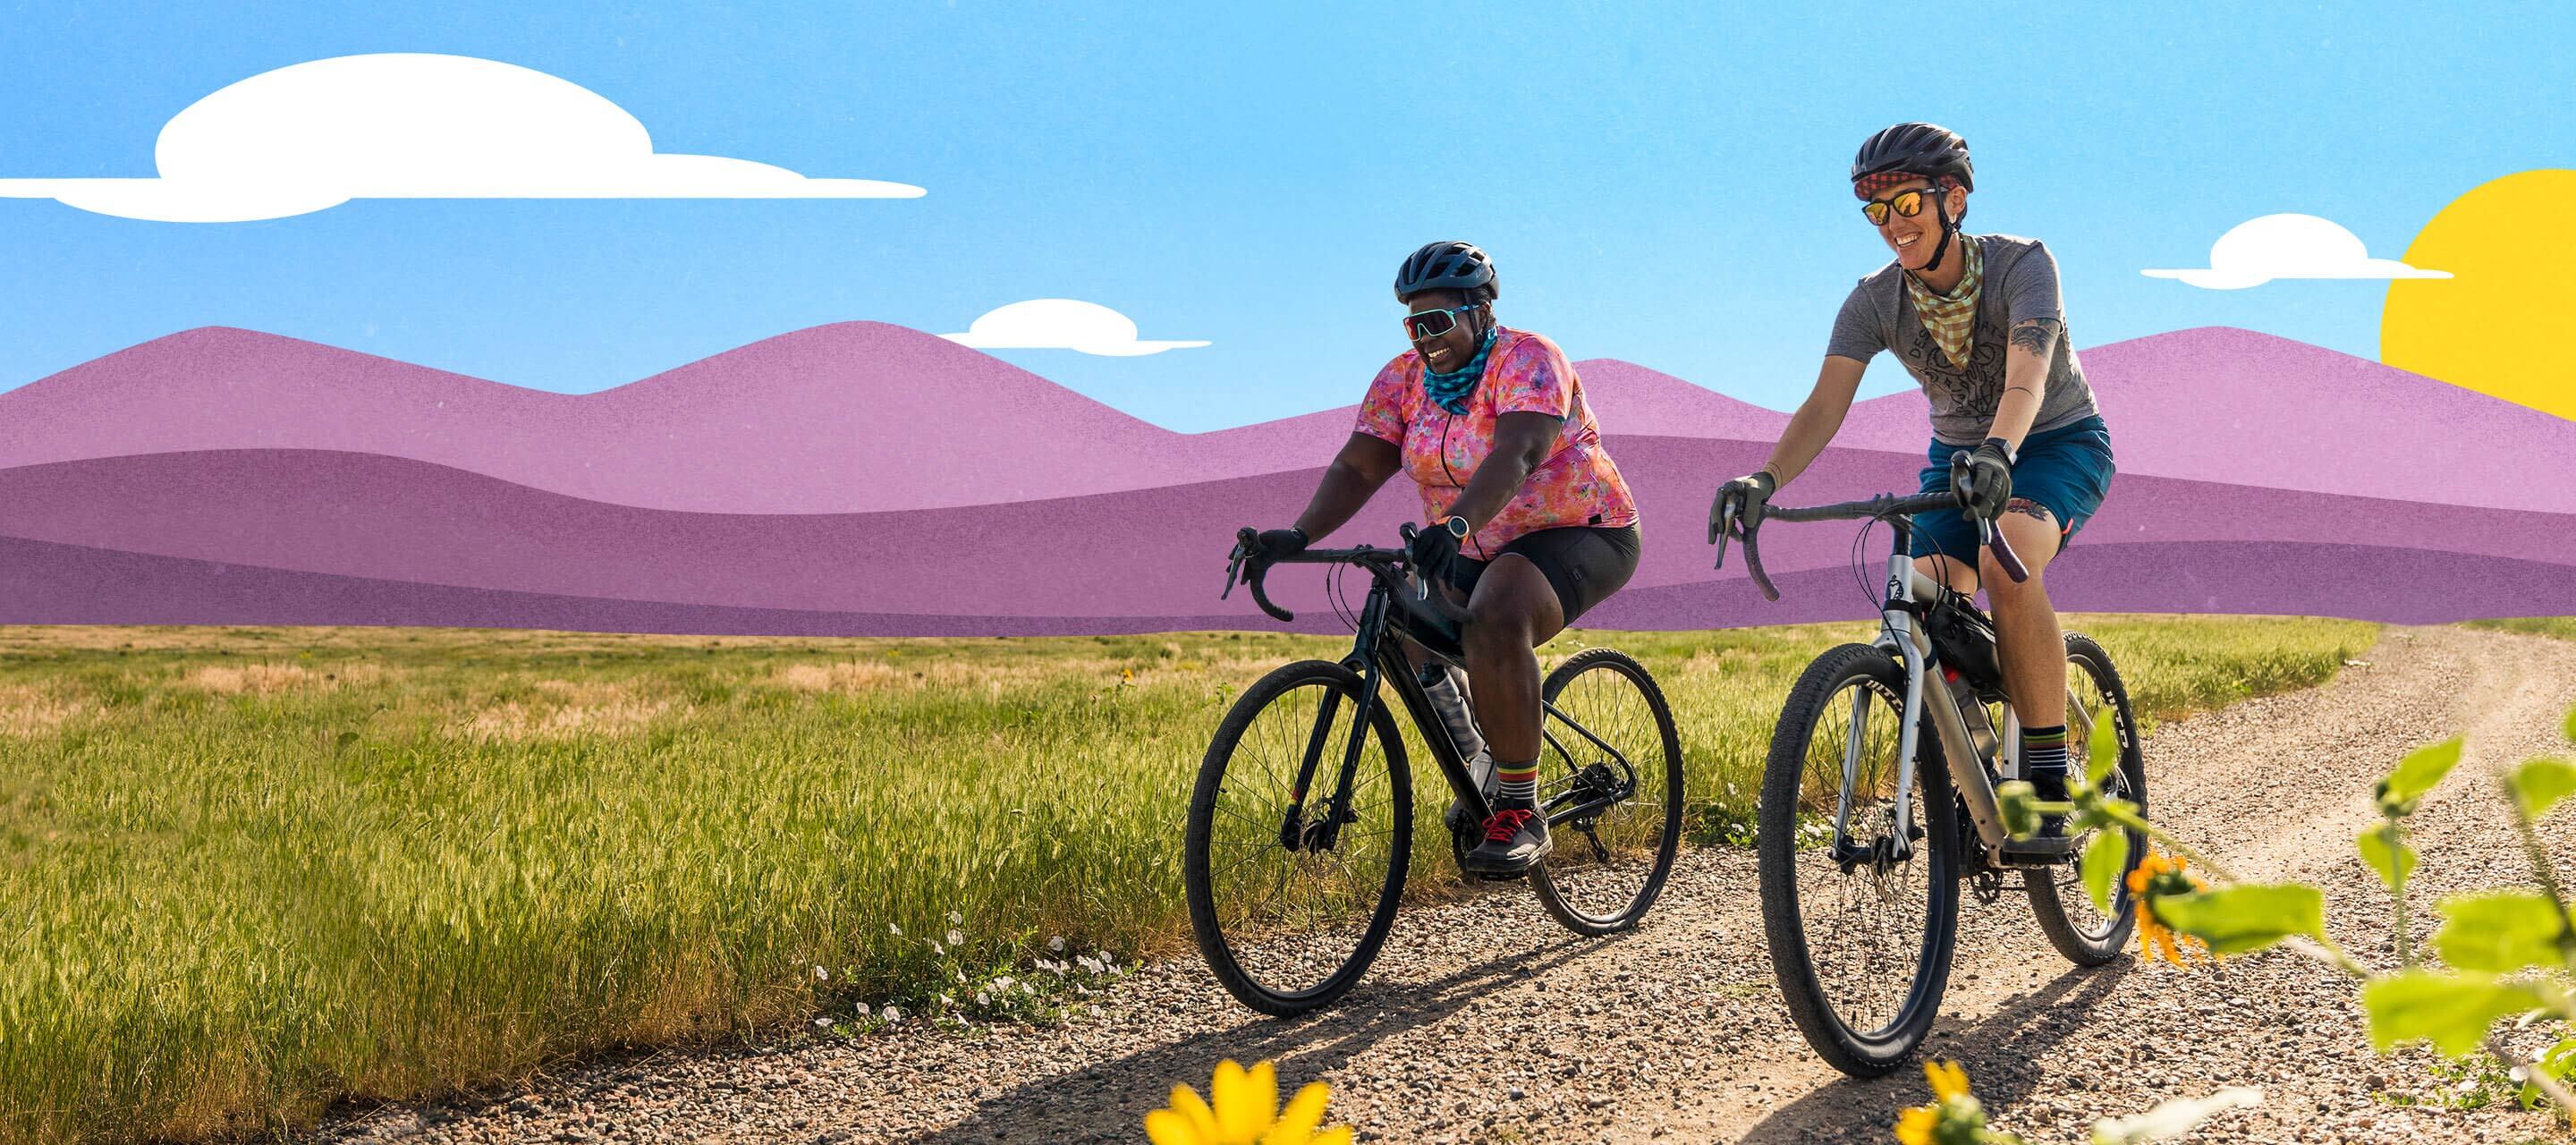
(2066, 471)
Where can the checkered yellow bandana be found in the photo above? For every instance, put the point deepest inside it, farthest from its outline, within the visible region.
(1951, 319)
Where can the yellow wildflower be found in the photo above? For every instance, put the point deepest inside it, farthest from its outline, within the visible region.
(1914, 1126)
(1954, 1115)
(1246, 1112)
(2156, 875)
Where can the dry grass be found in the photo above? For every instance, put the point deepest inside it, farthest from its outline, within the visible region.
(27, 711)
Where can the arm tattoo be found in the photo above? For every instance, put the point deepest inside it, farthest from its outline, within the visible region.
(2036, 335)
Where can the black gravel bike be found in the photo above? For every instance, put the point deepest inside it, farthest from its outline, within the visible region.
(1301, 827)
(1868, 826)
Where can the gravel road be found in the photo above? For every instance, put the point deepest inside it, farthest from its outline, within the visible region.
(1483, 1021)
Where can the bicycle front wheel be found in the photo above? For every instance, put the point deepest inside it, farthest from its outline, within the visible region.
(1612, 773)
(1860, 938)
(1290, 898)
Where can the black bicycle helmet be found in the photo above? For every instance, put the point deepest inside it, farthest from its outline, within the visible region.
(1447, 266)
(1926, 149)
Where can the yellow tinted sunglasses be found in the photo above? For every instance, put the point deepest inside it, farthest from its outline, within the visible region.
(1908, 203)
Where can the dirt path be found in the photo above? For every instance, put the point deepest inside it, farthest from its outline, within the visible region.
(1485, 1022)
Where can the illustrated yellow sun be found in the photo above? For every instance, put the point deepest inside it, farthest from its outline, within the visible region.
(2499, 324)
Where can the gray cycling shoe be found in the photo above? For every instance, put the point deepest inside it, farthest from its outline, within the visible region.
(1515, 838)
(1481, 768)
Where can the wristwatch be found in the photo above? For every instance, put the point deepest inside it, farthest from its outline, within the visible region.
(1457, 526)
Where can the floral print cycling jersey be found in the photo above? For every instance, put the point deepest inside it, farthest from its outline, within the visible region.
(1525, 373)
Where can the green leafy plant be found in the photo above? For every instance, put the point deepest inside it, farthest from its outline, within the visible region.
(2507, 953)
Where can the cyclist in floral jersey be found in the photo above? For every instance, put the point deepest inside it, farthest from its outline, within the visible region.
(1529, 523)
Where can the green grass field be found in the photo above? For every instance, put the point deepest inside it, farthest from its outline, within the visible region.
(2562, 627)
(244, 872)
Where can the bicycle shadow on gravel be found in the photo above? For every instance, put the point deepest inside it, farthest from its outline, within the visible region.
(1107, 1100)
(2002, 1053)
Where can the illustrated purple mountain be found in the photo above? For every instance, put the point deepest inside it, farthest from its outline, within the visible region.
(864, 417)
(293, 483)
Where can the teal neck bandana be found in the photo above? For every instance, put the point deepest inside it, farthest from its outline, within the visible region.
(1452, 389)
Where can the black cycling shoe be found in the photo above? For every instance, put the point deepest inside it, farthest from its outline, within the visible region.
(2050, 787)
(1481, 769)
(1515, 837)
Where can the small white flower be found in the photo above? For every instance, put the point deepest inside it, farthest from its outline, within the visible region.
(961, 977)
(947, 999)
(893, 1015)
(822, 1021)
(983, 999)
(1003, 982)
(863, 1011)
(1029, 989)
(935, 948)
(894, 930)
(956, 919)
(1090, 963)
(1095, 1011)
(956, 939)
(1056, 944)
(822, 975)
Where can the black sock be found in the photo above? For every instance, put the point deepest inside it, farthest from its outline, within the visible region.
(2043, 759)
(1519, 785)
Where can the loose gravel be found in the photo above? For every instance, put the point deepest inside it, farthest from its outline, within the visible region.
(1484, 1022)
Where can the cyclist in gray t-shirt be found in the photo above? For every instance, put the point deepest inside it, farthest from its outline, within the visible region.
(1977, 320)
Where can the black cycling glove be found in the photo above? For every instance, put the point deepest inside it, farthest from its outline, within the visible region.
(1434, 550)
(1987, 484)
(1274, 544)
(1740, 503)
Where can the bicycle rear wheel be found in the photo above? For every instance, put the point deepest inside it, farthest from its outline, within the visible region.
(2085, 935)
(1613, 855)
(1290, 906)
(1860, 940)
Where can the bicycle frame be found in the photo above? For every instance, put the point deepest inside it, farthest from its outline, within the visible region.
(1902, 634)
(1378, 660)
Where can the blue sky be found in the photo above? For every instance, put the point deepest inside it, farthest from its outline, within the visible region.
(1665, 187)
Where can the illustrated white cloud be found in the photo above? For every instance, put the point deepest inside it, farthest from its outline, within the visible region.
(2259, 250)
(314, 135)
(1060, 324)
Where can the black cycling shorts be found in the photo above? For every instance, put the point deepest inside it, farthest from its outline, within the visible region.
(1583, 563)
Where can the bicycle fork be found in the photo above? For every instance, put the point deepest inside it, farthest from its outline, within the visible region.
(1299, 832)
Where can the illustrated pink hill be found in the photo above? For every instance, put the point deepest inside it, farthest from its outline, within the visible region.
(1154, 557)
(861, 417)
(857, 416)
(2237, 406)
(866, 478)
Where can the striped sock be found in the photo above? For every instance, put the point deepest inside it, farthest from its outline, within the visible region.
(1518, 783)
(2043, 759)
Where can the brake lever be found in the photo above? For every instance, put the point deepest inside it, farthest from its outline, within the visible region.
(2005, 557)
(1988, 535)
(1234, 560)
(1421, 584)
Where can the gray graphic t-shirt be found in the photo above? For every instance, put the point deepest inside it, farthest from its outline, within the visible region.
(2020, 283)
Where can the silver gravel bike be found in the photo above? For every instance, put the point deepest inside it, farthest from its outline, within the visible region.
(1868, 826)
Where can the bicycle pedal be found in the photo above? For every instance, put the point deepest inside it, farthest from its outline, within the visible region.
(2037, 852)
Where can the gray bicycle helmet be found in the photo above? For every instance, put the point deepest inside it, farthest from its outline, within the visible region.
(1447, 266)
(1926, 149)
